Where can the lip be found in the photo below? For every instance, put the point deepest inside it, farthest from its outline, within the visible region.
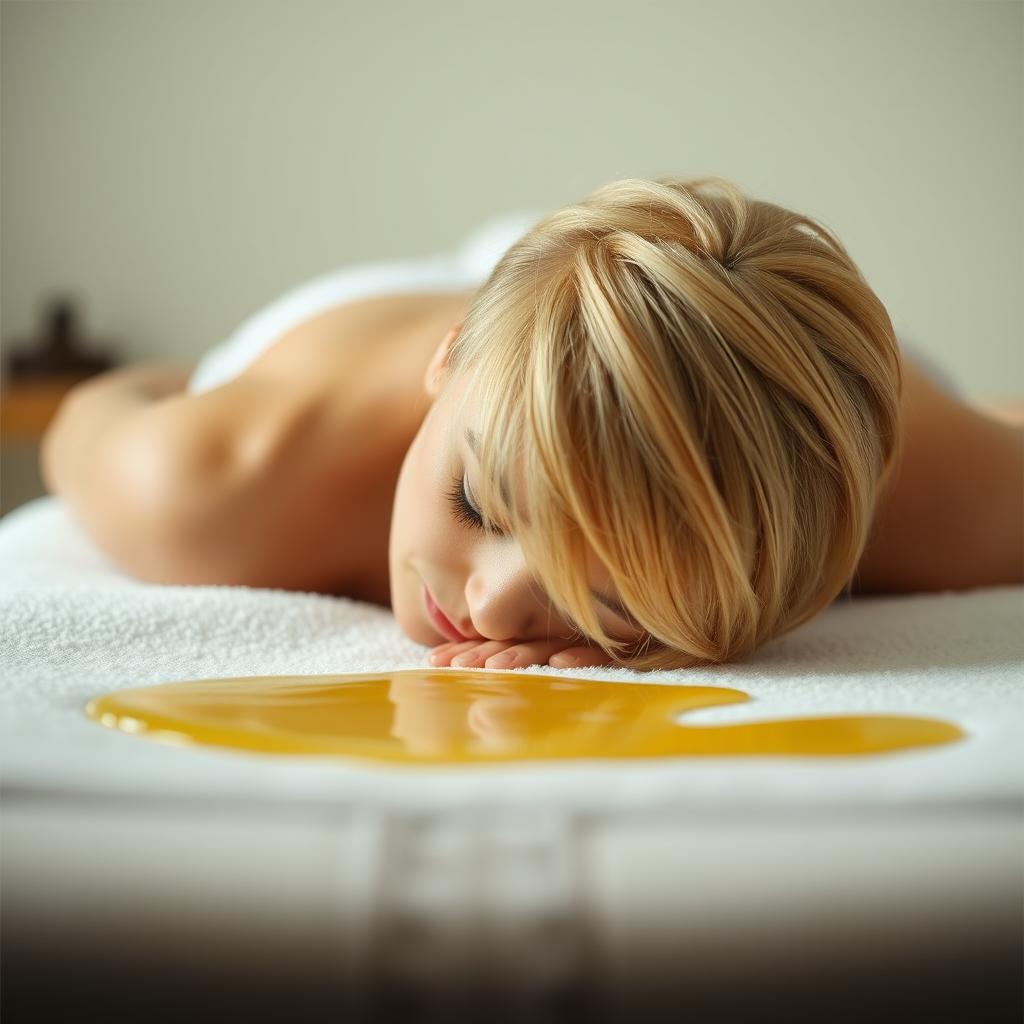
(440, 621)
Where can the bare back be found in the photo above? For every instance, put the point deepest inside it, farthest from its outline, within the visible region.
(338, 401)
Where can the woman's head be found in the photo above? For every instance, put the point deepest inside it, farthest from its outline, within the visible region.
(677, 395)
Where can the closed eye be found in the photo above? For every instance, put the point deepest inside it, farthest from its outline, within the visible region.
(462, 507)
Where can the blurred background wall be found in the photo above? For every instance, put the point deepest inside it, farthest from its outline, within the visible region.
(174, 165)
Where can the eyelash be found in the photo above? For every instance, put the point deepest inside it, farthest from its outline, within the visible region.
(463, 510)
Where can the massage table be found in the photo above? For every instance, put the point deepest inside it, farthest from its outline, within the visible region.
(143, 881)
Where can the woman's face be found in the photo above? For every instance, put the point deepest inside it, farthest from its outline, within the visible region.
(450, 580)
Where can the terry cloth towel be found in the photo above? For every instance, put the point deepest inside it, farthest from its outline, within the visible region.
(74, 627)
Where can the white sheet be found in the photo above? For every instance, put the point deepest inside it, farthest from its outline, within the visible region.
(74, 627)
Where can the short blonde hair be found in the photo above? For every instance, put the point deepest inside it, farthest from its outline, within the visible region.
(700, 386)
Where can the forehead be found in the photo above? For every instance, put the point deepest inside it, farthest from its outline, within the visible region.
(461, 402)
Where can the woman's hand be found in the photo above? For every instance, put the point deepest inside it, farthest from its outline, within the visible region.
(501, 654)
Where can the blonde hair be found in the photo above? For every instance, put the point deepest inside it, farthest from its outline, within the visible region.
(700, 386)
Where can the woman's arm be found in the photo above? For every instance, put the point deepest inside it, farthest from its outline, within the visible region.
(249, 483)
(952, 517)
(139, 461)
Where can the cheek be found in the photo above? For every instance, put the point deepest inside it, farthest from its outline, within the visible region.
(425, 541)
(403, 544)
(423, 519)
(425, 537)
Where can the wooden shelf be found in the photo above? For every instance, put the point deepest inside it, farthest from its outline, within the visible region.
(27, 406)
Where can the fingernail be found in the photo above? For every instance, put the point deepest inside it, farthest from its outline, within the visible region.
(564, 661)
(435, 659)
(464, 659)
(502, 660)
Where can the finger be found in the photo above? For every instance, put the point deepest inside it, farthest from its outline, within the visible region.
(520, 655)
(443, 654)
(579, 657)
(478, 654)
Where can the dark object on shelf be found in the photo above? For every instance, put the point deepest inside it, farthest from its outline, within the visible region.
(59, 352)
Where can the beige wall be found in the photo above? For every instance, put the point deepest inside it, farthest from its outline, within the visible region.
(177, 164)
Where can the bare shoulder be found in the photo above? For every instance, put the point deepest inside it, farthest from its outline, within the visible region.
(951, 517)
(266, 481)
(304, 450)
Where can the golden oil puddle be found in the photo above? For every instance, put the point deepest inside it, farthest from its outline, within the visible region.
(449, 716)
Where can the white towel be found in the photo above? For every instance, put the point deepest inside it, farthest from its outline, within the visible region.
(74, 627)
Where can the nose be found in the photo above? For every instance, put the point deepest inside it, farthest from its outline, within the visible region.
(505, 603)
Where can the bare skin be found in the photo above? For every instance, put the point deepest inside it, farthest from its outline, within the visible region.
(285, 477)
(953, 515)
(282, 477)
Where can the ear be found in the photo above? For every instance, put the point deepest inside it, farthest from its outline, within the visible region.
(437, 371)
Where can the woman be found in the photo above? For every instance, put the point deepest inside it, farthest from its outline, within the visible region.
(671, 423)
